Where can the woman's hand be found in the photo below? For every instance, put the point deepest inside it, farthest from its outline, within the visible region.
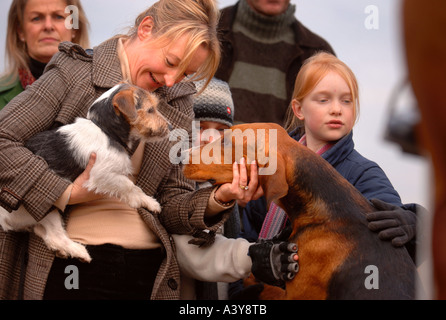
(240, 189)
(79, 193)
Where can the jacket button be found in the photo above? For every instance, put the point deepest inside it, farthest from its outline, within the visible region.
(172, 283)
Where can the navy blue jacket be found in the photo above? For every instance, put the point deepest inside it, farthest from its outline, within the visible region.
(365, 175)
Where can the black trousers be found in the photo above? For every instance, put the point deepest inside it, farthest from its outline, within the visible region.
(113, 273)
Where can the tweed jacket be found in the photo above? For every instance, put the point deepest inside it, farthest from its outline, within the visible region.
(72, 81)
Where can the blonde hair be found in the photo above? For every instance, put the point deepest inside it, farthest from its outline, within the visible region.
(311, 72)
(197, 19)
(16, 50)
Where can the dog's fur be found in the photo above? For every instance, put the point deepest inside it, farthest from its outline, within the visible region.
(328, 219)
(116, 121)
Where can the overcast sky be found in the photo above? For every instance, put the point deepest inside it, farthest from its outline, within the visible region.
(371, 47)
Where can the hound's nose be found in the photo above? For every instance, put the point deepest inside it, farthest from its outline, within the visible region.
(169, 126)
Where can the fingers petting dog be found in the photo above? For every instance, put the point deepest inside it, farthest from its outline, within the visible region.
(240, 189)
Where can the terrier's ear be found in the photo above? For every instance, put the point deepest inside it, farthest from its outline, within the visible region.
(124, 103)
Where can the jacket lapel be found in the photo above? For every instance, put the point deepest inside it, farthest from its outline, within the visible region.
(106, 65)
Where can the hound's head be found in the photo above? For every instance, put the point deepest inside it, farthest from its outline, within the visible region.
(260, 142)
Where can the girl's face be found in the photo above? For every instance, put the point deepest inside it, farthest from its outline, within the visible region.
(44, 28)
(328, 111)
(152, 67)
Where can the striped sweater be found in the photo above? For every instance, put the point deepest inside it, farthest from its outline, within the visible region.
(261, 58)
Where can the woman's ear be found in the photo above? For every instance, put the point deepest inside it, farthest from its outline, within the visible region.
(145, 28)
(21, 34)
(297, 109)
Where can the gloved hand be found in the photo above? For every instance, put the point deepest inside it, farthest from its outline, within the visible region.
(274, 261)
(392, 222)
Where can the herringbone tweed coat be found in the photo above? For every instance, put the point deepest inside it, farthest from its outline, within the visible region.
(73, 80)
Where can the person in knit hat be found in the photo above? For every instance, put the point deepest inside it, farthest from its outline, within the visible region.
(213, 108)
(214, 112)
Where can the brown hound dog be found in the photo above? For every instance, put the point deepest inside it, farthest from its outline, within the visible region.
(336, 248)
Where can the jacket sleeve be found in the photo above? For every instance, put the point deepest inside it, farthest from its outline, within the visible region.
(25, 178)
(373, 183)
(226, 260)
(183, 207)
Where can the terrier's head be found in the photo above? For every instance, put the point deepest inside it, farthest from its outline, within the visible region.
(128, 113)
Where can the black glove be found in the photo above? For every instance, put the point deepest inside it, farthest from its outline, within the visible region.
(274, 261)
(392, 222)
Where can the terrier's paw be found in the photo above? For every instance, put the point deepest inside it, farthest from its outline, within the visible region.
(57, 240)
(74, 250)
(19, 220)
(4, 220)
(151, 204)
(142, 200)
(4, 223)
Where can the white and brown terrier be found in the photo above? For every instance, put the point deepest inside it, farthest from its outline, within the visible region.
(116, 121)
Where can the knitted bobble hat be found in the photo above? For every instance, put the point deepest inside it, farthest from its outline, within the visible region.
(214, 103)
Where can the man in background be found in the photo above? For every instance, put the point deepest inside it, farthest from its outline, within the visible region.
(264, 46)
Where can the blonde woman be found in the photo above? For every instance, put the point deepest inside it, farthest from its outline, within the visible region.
(132, 252)
(35, 29)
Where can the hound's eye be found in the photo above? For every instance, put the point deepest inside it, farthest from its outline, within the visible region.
(150, 110)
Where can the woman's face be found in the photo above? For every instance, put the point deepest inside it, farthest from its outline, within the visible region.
(44, 28)
(152, 66)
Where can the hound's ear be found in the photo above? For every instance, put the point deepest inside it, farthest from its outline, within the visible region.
(124, 103)
(275, 186)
